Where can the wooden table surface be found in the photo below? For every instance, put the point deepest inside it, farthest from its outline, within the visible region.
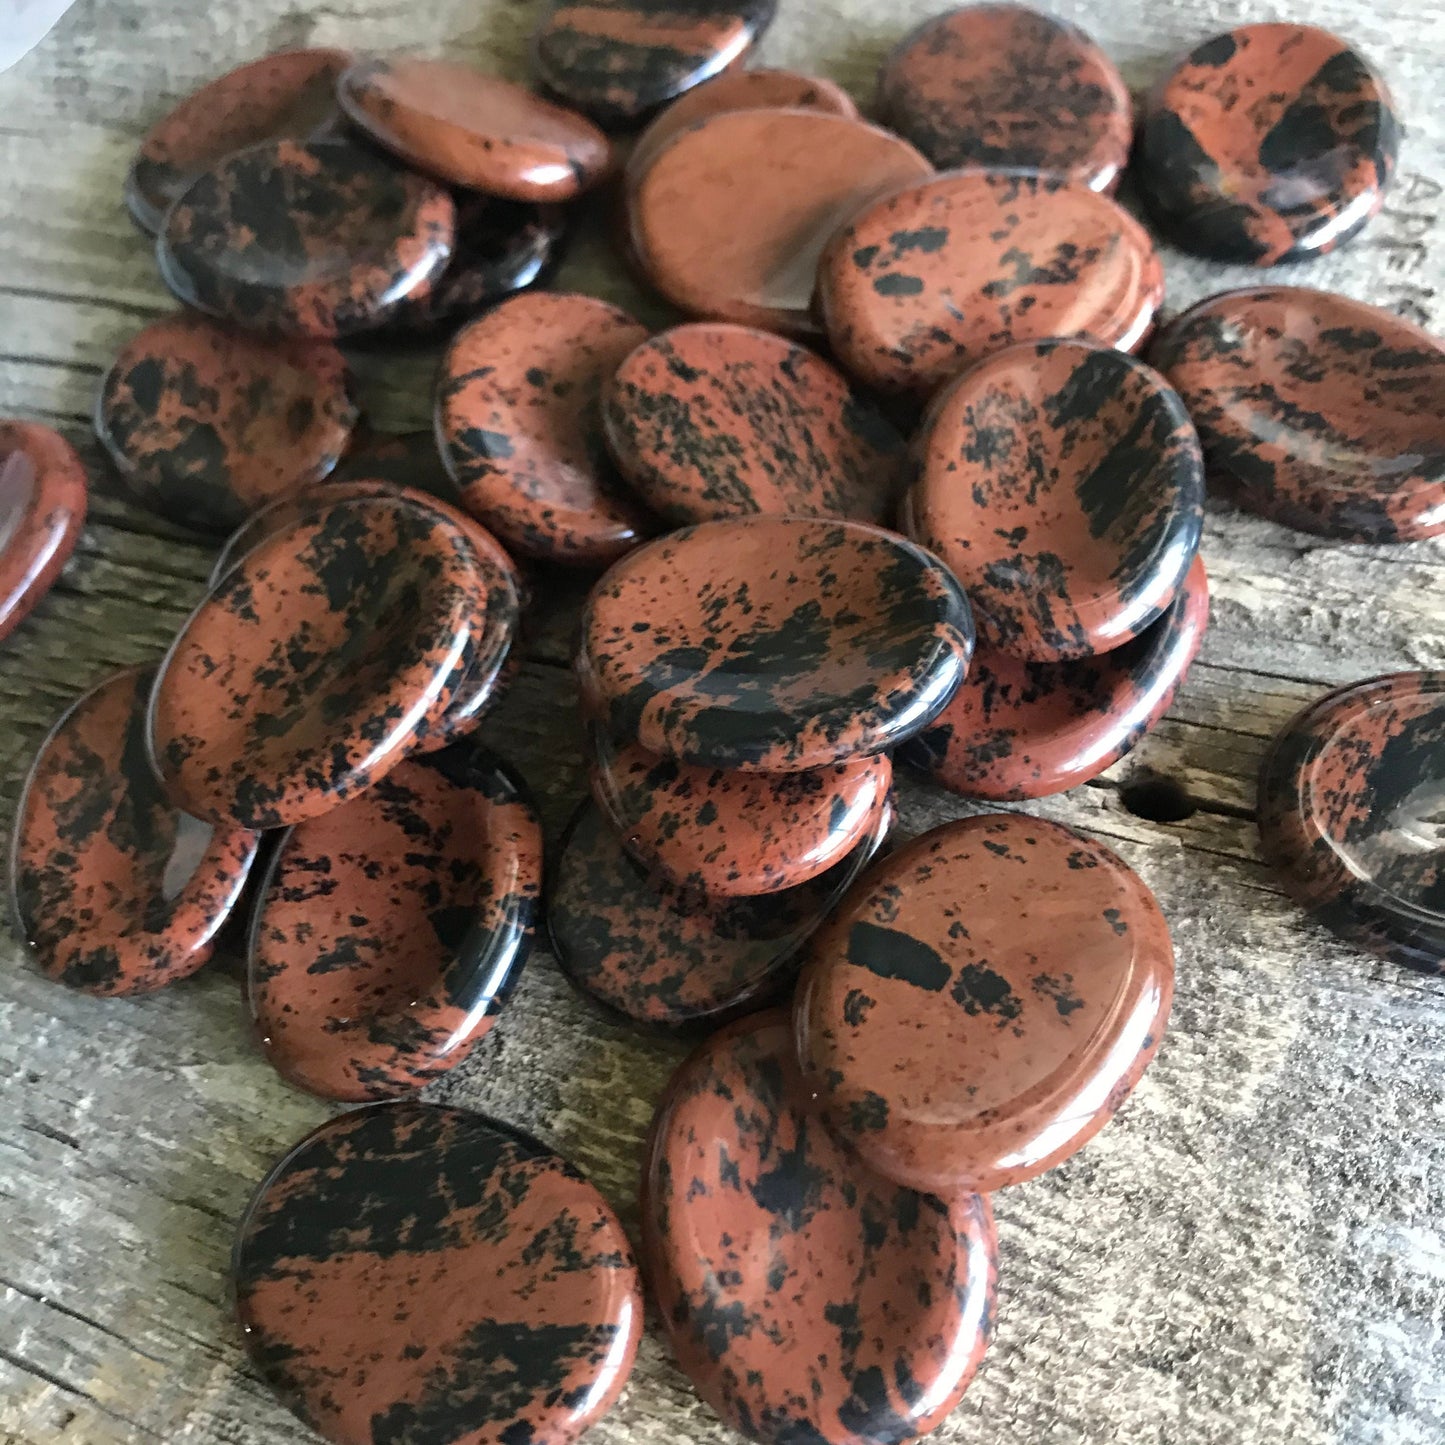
(1253, 1252)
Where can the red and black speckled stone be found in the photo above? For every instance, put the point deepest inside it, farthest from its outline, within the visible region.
(1030, 973)
(1320, 412)
(773, 644)
(416, 1273)
(325, 238)
(114, 889)
(1063, 484)
(806, 1298)
(1267, 143)
(1350, 801)
(405, 459)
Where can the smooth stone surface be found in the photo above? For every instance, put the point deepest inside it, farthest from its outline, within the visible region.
(114, 890)
(1063, 484)
(986, 1000)
(806, 1298)
(1018, 729)
(665, 959)
(290, 95)
(474, 130)
(519, 423)
(1320, 412)
(773, 644)
(1002, 85)
(405, 459)
(1267, 143)
(43, 500)
(1351, 796)
(713, 420)
(722, 834)
(619, 60)
(321, 239)
(410, 1272)
(730, 218)
(388, 934)
(205, 425)
(933, 278)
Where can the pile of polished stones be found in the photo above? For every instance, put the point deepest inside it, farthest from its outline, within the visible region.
(896, 487)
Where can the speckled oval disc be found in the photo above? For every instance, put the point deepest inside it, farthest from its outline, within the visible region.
(1063, 484)
(1321, 412)
(43, 500)
(416, 1273)
(114, 889)
(519, 423)
(729, 219)
(807, 1299)
(1267, 143)
(289, 95)
(1018, 729)
(1351, 795)
(322, 239)
(205, 425)
(1030, 972)
(773, 644)
(714, 420)
(1002, 85)
(935, 277)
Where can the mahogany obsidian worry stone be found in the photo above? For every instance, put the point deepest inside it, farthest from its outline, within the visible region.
(619, 60)
(1063, 484)
(114, 889)
(410, 1272)
(1030, 972)
(409, 459)
(289, 95)
(389, 933)
(715, 420)
(1321, 412)
(805, 1297)
(665, 958)
(326, 238)
(43, 499)
(1019, 729)
(1002, 85)
(1267, 143)
(1351, 797)
(773, 644)
(205, 425)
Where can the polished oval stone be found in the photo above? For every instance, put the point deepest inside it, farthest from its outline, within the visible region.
(1019, 729)
(619, 60)
(388, 934)
(318, 662)
(1351, 796)
(1031, 973)
(1267, 143)
(666, 959)
(1063, 484)
(474, 130)
(409, 459)
(410, 1272)
(724, 834)
(518, 417)
(806, 1298)
(1320, 412)
(729, 219)
(205, 425)
(714, 420)
(1002, 85)
(773, 644)
(290, 95)
(933, 278)
(43, 500)
(322, 239)
(114, 889)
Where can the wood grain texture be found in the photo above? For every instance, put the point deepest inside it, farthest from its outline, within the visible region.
(1253, 1253)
